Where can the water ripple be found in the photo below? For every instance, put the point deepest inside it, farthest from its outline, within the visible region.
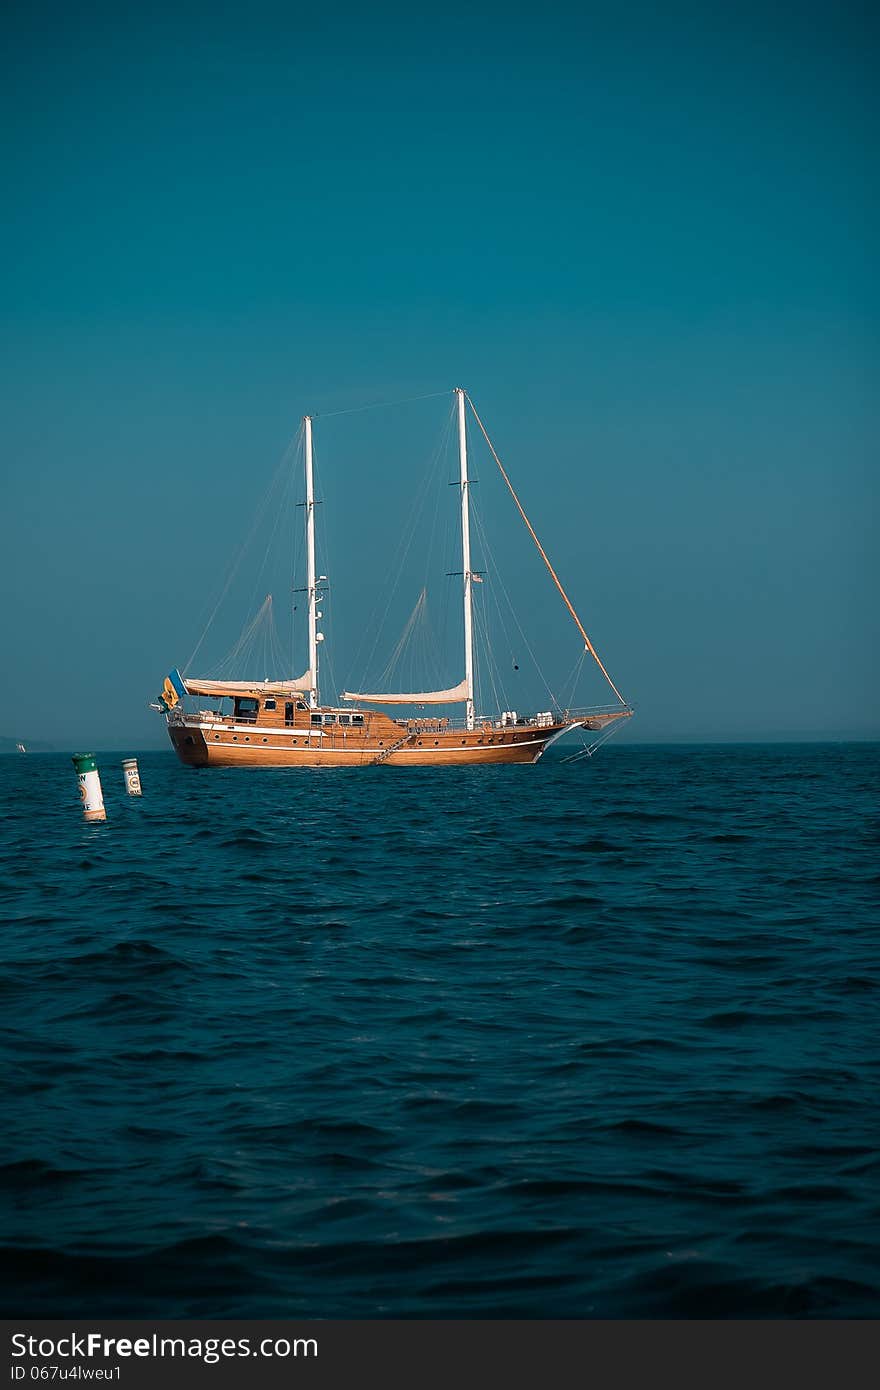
(577, 1040)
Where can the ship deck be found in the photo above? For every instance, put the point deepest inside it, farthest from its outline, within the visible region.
(351, 738)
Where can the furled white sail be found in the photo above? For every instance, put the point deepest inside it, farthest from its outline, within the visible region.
(420, 697)
(296, 686)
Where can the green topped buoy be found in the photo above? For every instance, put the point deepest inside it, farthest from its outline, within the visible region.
(89, 786)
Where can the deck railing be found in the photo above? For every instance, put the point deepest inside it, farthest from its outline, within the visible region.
(509, 719)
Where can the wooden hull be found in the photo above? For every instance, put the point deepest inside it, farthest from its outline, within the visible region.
(210, 746)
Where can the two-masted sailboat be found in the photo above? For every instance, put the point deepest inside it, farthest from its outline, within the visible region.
(282, 723)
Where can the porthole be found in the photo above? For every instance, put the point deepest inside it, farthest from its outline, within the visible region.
(436, 741)
(420, 743)
(463, 742)
(265, 740)
(216, 735)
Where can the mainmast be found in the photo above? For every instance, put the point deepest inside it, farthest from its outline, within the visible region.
(466, 561)
(310, 553)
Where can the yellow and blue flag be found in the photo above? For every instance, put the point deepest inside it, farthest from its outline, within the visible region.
(173, 690)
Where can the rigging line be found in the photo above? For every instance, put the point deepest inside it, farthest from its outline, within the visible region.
(553, 575)
(263, 664)
(500, 692)
(288, 454)
(255, 658)
(405, 542)
(494, 668)
(242, 647)
(328, 667)
(493, 569)
(324, 527)
(404, 545)
(497, 577)
(430, 656)
(571, 681)
(526, 642)
(326, 551)
(488, 647)
(445, 555)
(411, 621)
(414, 653)
(328, 656)
(251, 650)
(241, 643)
(589, 749)
(290, 600)
(326, 662)
(378, 405)
(440, 452)
(282, 508)
(489, 663)
(387, 593)
(278, 663)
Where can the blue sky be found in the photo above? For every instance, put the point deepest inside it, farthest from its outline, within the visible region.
(644, 242)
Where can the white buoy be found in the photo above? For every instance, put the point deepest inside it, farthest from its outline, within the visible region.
(89, 786)
(132, 776)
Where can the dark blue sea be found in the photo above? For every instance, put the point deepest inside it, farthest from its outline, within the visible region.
(591, 1039)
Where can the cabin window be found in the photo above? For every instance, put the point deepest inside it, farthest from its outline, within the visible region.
(268, 704)
(316, 718)
(246, 708)
(345, 718)
(357, 719)
(329, 718)
(288, 713)
(301, 704)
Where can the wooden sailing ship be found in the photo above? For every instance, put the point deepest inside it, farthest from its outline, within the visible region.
(282, 723)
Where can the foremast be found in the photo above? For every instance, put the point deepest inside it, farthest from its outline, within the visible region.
(311, 581)
(466, 560)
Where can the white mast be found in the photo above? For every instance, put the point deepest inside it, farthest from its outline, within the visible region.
(466, 561)
(310, 553)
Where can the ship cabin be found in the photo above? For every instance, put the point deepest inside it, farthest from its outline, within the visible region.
(269, 713)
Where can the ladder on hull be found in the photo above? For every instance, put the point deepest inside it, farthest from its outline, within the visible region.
(392, 748)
